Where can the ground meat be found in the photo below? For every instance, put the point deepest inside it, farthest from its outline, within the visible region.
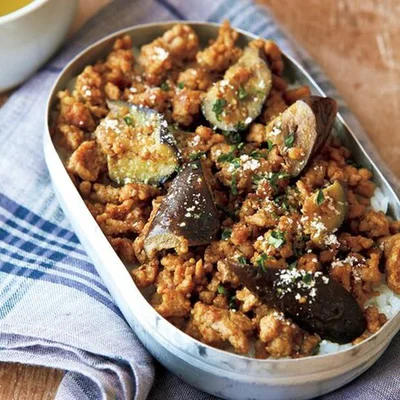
(374, 224)
(314, 176)
(309, 262)
(355, 243)
(118, 67)
(274, 57)
(70, 136)
(356, 209)
(214, 325)
(278, 83)
(89, 87)
(138, 244)
(283, 339)
(145, 275)
(342, 274)
(256, 133)
(132, 191)
(370, 272)
(124, 218)
(262, 219)
(202, 140)
(226, 275)
(171, 303)
(112, 91)
(391, 247)
(124, 248)
(217, 251)
(292, 95)
(178, 44)
(272, 52)
(375, 320)
(154, 98)
(248, 299)
(186, 106)
(274, 105)
(75, 113)
(196, 79)
(222, 53)
(87, 161)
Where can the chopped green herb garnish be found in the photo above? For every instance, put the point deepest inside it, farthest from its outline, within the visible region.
(234, 186)
(241, 145)
(240, 126)
(320, 197)
(128, 120)
(242, 260)
(275, 177)
(242, 94)
(221, 290)
(289, 140)
(316, 349)
(307, 278)
(164, 86)
(282, 201)
(270, 145)
(194, 166)
(218, 108)
(257, 154)
(232, 136)
(236, 162)
(178, 168)
(256, 178)
(233, 303)
(293, 265)
(276, 239)
(180, 85)
(261, 261)
(226, 234)
(227, 157)
(196, 155)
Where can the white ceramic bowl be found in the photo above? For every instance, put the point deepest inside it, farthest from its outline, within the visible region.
(217, 372)
(29, 36)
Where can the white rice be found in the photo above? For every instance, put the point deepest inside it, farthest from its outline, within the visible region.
(379, 202)
(387, 302)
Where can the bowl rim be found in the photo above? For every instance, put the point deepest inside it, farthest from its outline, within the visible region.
(22, 11)
(48, 110)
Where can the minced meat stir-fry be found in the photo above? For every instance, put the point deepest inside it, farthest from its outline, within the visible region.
(250, 225)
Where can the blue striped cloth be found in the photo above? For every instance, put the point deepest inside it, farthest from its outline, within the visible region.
(53, 305)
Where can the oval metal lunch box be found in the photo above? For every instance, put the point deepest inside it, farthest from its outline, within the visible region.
(214, 371)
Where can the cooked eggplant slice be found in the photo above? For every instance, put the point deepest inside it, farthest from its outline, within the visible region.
(235, 101)
(325, 212)
(301, 130)
(138, 144)
(187, 214)
(314, 302)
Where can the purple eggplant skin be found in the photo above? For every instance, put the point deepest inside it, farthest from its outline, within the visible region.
(325, 110)
(187, 212)
(306, 125)
(329, 310)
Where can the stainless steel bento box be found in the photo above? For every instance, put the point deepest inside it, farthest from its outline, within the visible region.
(217, 372)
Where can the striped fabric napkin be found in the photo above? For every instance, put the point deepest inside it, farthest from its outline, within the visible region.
(54, 309)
